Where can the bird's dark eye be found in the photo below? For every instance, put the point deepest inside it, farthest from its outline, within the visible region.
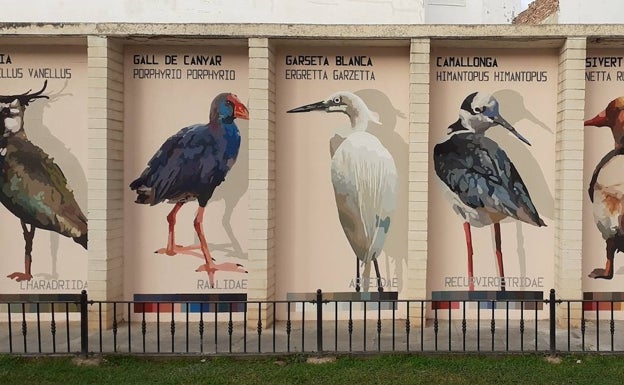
(337, 100)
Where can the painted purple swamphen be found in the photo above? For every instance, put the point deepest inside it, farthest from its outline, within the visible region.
(190, 165)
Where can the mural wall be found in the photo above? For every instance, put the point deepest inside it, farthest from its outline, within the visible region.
(603, 269)
(492, 138)
(186, 171)
(43, 155)
(342, 156)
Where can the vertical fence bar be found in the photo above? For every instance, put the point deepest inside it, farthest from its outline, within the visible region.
(53, 328)
(568, 307)
(67, 326)
(201, 327)
(10, 328)
(84, 324)
(100, 324)
(319, 321)
(129, 323)
(522, 326)
(336, 326)
(288, 326)
(216, 334)
(25, 327)
(187, 328)
(39, 326)
(612, 327)
(553, 329)
(143, 326)
(597, 326)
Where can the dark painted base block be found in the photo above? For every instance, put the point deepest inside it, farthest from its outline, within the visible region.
(604, 301)
(488, 299)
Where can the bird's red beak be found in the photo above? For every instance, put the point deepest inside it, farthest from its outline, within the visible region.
(240, 111)
(599, 120)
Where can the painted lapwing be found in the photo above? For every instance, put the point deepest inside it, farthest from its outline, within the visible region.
(32, 186)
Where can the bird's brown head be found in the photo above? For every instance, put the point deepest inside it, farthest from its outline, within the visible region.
(612, 117)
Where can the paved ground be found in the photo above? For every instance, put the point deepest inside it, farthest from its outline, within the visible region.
(302, 337)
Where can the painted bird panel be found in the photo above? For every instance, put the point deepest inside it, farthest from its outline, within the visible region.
(190, 165)
(32, 185)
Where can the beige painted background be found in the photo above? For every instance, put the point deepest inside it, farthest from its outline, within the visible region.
(59, 126)
(598, 141)
(154, 110)
(531, 108)
(312, 251)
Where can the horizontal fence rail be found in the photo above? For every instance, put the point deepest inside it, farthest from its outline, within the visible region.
(76, 325)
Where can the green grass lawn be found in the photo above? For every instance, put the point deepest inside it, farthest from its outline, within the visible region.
(388, 369)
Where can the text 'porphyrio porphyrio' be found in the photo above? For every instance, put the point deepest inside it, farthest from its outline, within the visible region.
(190, 165)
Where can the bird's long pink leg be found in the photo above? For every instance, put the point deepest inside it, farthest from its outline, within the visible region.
(171, 219)
(210, 267)
(172, 248)
(499, 254)
(469, 249)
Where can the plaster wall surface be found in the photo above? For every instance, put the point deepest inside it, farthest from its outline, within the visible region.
(471, 11)
(218, 11)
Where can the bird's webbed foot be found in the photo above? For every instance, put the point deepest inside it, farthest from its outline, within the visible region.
(19, 277)
(601, 273)
(226, 266)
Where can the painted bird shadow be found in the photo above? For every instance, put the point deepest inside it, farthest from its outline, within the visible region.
(514, 110)
(395, 246)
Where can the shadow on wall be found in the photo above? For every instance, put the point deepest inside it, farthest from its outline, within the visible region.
(395, 247)
(40, 134)
(514, 111)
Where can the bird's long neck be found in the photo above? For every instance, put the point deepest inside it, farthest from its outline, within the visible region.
(359, 122)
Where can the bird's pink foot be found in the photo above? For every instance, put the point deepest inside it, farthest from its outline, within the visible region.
(226, 266)
(601, 273)
(19, 277)
(179, 249)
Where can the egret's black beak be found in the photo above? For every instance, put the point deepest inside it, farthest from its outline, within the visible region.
(318, 106)
(499, 119)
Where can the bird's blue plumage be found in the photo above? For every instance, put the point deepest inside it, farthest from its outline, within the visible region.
(192, 162)
(481, 174)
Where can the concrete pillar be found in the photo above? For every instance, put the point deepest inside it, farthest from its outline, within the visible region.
(105, 176)
(261, 265)
(418, 171)
(569, 188)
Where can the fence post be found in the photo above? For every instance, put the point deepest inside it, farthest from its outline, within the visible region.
(553, 323)
(319, 321)
(84, 325)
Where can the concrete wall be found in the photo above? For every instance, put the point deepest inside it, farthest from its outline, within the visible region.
(471, 11)
(106, 42)
(588, 12)
(218, 11)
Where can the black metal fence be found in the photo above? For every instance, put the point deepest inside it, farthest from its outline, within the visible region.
(77, 325)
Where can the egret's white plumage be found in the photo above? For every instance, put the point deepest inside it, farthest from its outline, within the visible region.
(364, 178)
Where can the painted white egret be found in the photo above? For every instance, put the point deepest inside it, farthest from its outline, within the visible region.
(483, 184)
(364, 178)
